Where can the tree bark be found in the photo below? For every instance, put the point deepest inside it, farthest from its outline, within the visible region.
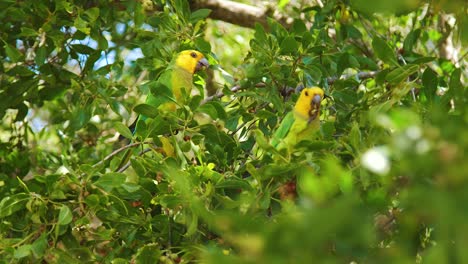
(238, 13)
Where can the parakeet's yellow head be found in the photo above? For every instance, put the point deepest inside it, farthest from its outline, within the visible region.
(308, 104)
(191, 61)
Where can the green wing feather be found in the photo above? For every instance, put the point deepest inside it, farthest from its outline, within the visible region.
(283, 130)
(292, 130)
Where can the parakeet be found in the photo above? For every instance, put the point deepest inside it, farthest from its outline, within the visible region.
(178, 79)
(175, 84)
(302, 122)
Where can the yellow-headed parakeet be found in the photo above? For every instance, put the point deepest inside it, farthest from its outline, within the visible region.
(173, 86)
(302, 122)
(176, 82)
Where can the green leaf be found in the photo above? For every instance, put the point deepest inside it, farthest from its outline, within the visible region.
(138, 14)
(92, 14)
(146, 110)
(22, 251)
(12, 53)
(289, 45)
(79, 118)
(422, 60)
(111, 180)
(138, 167)
(41, 55)
(455, 80)
(209, 110)
(400, 74)
(149, 253)
(28, 32)
(82, 25)
(90, 61)
(313, 73)
(298, 26)
(39, 246)
(92, 200)
(20, 70)
(260, 36)
(411, 40)
(123, 130)
(353, 32)
(199, 14)
(384, 51)
(13, 203)
(430, 82)
(355, 136)
(65, 215)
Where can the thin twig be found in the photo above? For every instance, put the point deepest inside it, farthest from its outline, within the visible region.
(360, 75)
(117, 151)
(129, 163)
(220, 94)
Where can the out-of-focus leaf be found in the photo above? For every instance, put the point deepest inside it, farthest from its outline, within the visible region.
(289, 46)
(13, 54)
(400, 74)
(384, 51)
(12, 204)
(199, 14)
(146, 110)
(430, 82)
(149, 253)
(65, 215)
(123, 130)
(110, 181)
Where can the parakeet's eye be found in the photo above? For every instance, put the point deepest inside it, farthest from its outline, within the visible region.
(193, 54)
(306, 93)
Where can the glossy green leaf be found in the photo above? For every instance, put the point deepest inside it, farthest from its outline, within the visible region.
(13, 203)
(123, 130)
(65, 215)
(146, 110)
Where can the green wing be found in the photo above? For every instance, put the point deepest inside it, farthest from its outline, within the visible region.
(283, 130)
(161, 90)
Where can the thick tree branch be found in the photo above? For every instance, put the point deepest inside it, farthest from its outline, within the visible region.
(239, 14)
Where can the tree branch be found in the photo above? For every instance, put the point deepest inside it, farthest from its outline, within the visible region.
(129, 163)
(359, 75)
(239, 14)
(117, 151)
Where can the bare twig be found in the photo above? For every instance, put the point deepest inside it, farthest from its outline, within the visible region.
(359, 75)
(129, 163)
(117, 151)
(220, 94)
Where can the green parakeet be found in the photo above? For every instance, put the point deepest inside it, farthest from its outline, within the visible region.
(302, 122)
(175, 85)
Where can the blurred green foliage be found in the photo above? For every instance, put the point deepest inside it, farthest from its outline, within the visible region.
(384, 181)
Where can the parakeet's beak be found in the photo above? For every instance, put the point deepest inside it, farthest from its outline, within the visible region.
(316, 100)
(314, 107)
(202, 64)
